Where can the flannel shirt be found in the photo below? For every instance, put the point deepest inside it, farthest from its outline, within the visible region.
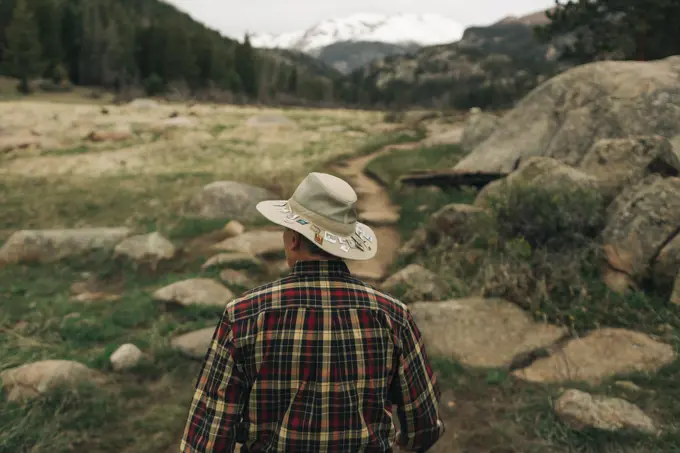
(313, 363)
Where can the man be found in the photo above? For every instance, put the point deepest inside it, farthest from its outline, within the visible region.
(313, 362)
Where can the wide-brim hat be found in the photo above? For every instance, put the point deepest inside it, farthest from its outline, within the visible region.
(323, 209)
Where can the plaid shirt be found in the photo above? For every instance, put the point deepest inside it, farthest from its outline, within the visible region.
(313, 363)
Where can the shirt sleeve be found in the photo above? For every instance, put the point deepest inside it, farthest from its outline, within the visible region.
(416, 393)
(222, 391)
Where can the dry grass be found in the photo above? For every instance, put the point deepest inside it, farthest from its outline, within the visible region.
(64, 180)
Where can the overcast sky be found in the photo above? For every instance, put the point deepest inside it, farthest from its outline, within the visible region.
(235, 17)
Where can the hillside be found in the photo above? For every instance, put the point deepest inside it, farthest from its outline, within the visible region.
(135, 45)
(490, 66)
(347, 56)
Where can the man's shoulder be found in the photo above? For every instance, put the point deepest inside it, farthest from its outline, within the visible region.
(384, 301)
(253, 301)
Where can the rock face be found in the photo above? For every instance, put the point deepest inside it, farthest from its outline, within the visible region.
(478, 127)
(582, 410)
(196, 291)
(565, 116)
(194, 344)
(541, 172)
(147, 247)
(481, 332)
(228, 200)
(639, 223)
(599, 355)
(257, 243)
(33, 379)
(44, 246)
(418, 282)
(621, 162)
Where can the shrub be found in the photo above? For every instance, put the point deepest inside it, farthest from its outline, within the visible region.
(554, 219)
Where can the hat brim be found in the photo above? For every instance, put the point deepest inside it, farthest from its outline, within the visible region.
(344, 247)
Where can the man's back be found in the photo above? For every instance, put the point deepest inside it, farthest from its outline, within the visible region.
(312, 363)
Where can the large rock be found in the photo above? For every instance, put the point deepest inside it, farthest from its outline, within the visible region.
(599, 355)
(257, 243)
(194, 344)
(539, 172)
(639, 223)
(418, 283)
(43, 246)
(147, 247)
(236, 260)
(581, 410)
(228, 200)
(667, 264)
(195, 291)
(33, 379)
(621, 162)
(478, 127)
(563, 117)
(481, 332)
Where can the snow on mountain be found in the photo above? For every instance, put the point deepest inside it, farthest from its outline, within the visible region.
(423, 29)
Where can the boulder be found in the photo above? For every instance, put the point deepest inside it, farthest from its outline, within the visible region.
(33, 379)
(599, 355)
(227, 200)
(233, 259)
(477, 332)
(43, 246)
(146, 247)
(478, 127)
(125, 357)
(621, 162)
(566, 115)
(195, 291)
(194, 344)
(540, 172)
(235, 278)
(418, 283)
(640, 221)
(256, 242)
(580, 410)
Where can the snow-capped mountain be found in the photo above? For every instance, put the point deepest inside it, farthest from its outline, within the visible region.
(422, 29)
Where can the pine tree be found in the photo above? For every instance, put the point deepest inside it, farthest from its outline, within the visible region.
(23, 54)
(246, 67)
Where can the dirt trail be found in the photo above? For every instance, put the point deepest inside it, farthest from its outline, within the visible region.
(376, 209)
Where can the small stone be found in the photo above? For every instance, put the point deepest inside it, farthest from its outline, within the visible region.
(125, 357)
(234, 228)
(196, 291)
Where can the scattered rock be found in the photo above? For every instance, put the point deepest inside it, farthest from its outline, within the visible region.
(581, 410)
(14, 142)
(257, 243)
(228, 200)
(478, 127)
(196, 291)
(563, 117)
(597, 356)
(271, 120)
(45, 246)
(33, 379)
(541, 172)
(125, 357)
(418, 282)
(621, 162)
(640, 221)
(233, 259)
(194, 344)
(95, 296)
(234, 277)
(146, 247)
(114, 135)
(486, 333)
(234, 228)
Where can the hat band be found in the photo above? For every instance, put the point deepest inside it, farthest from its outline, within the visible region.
(337, 228)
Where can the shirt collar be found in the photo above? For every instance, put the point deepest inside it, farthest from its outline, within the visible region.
(321, 267)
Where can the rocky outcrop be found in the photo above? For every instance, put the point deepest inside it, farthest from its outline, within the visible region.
(580, 410)
(565, 116)
(227, 200)
(481, 332)
(478, 127)
(44, 246)
(599, 355)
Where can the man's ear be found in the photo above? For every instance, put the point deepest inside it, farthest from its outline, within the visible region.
(296, 241)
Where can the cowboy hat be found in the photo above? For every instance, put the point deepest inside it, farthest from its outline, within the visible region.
(322, 209)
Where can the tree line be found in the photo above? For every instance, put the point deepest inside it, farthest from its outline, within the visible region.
(149, 44)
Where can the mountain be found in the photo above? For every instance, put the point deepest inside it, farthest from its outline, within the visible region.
(346, 56)
(421, 29)
(490, 66)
